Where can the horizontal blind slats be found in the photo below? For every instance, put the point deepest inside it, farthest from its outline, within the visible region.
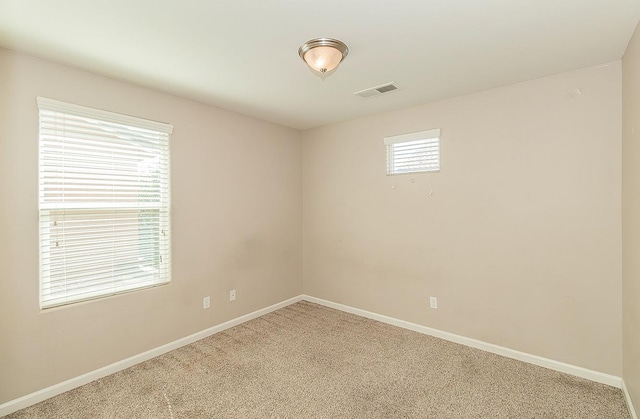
(104, 202)
(101, 274)
(68, 206)
(415, 154)
(52, 107)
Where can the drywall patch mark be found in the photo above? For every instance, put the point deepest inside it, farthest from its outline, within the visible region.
(574, 93)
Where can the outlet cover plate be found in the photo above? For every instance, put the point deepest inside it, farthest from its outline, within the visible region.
(433, 302)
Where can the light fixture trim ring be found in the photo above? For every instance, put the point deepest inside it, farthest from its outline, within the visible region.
(323, 42)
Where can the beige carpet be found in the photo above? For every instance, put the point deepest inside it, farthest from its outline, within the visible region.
(309, 361)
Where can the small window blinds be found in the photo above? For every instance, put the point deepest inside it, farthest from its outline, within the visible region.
(416, 152)
(104, 203)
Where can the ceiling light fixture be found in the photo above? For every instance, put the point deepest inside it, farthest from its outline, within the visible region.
(323, 55)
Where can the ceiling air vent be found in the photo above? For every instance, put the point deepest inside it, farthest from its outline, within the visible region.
(377, 90)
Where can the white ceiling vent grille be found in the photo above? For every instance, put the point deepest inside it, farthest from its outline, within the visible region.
(377, 90)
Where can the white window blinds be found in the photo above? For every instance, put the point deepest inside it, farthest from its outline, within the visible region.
(104, 203)
(415, 152)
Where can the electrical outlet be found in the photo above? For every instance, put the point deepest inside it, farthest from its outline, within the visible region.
(433, 302)
(206, 302)
(232, 295)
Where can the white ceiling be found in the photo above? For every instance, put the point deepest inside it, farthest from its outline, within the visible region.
(242, 55)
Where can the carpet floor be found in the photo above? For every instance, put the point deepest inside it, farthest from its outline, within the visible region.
(309, 361)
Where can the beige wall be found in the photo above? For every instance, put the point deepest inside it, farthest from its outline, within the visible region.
(236, 223)
(520, 239)
(519, 235)
(631, 217)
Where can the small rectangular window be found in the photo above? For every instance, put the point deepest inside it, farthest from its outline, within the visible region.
(104, 203)
(412, 153)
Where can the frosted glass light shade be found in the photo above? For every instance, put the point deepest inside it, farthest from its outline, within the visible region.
(323, 55)
(323, 59)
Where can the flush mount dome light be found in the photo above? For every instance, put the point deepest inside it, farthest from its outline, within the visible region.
(323, 55)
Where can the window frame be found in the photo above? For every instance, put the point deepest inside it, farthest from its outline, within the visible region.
(149, 230)
(430, 140)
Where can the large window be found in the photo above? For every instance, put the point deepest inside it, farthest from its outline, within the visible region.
(104, 203)
(415, 152)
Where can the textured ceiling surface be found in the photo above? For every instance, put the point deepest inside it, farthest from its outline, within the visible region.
(242, 55)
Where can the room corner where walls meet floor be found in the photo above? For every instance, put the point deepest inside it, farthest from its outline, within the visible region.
(38, 396)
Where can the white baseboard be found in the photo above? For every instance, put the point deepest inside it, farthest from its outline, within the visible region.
(40, 395)
(627, 397)
(596, 376)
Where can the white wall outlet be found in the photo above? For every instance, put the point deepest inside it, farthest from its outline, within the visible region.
(232, 295)
(433, 302)
(206, 302)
